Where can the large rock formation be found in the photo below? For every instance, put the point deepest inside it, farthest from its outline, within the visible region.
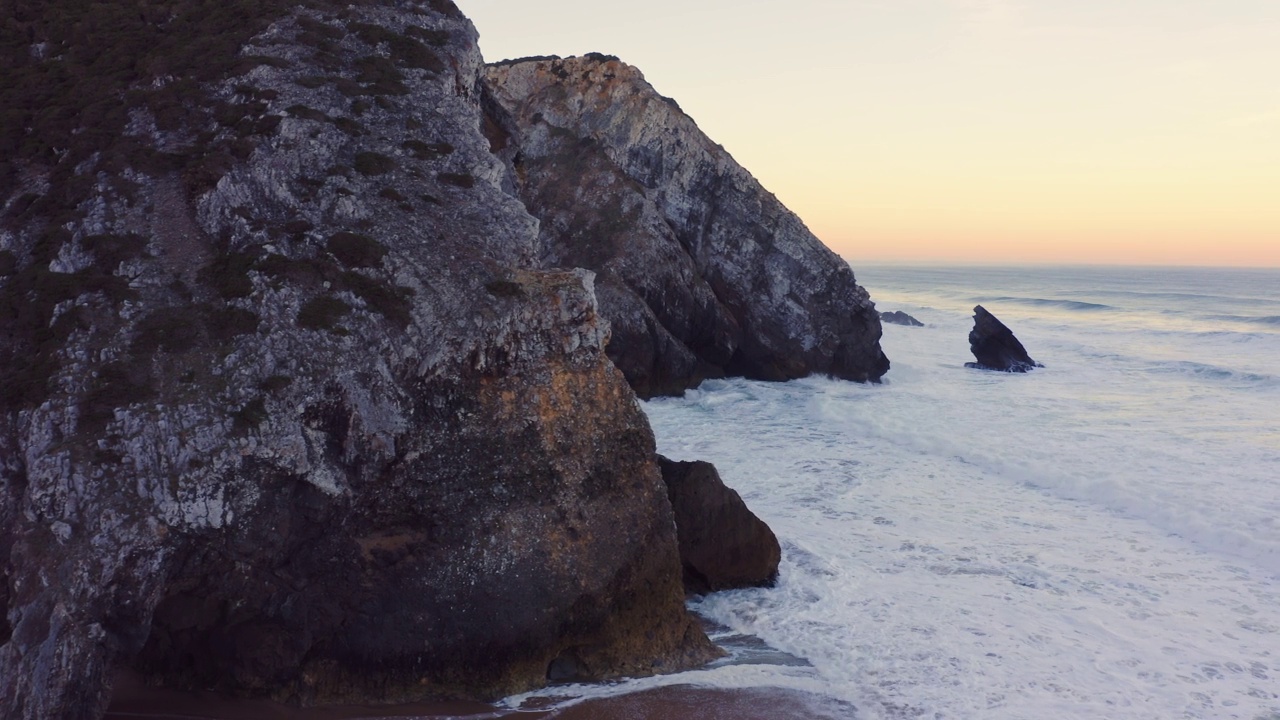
(995, 347)
(723, 544)
(700, 271)
(286, 409)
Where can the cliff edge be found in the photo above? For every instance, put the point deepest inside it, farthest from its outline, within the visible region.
(700, 271)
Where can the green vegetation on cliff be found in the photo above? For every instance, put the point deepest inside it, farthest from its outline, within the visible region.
(84, 85)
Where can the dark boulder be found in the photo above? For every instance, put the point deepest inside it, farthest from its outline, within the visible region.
(723, 545)
(995, 347)
(897, 317)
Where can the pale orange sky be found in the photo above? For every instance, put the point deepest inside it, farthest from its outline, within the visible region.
(1093, 131)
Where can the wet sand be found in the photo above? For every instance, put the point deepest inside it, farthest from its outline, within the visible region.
(135, 702)
(685, 702)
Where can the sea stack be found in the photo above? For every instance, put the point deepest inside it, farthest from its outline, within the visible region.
(897, 317)
(995, 347)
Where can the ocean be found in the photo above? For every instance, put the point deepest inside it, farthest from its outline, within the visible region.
(1099, 538)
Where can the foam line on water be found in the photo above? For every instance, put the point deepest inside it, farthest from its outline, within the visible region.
(916, 582)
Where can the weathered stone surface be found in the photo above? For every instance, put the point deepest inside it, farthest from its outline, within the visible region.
(898, 317)
(305, 421)
(995, 346)
(700, 271)
(723, 544)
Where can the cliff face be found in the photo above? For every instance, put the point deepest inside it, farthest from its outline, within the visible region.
(289, 404)
(288, 412)
(700, 271)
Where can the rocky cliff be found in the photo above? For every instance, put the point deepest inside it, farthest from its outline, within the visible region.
(700, 271)
(289, 412)
(288, 405)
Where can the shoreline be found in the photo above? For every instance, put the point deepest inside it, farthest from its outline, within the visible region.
(134, 701)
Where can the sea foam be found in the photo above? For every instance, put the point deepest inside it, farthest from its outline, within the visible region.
(1098, 538)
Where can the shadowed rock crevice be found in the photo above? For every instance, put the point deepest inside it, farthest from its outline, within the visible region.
(701, 272)
(723, 545)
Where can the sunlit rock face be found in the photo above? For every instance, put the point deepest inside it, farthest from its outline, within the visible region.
(290, 411)
(701, 272)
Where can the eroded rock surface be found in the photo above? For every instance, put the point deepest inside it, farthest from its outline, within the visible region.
(723, 545)
(288, 411)
(700, 271)
(995, 347)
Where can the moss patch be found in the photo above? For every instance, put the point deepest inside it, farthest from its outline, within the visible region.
(303, 112)
(228, 274)
(275, 383)
(391, 301)
(116, 385)
(249, 417)
(373, 163)
(462, 180)
(348, 126)
(322, 313)
(355, 250)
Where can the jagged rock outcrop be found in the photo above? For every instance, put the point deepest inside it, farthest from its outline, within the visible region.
(286, 409)
(700, 271)
(898, 317)
(995, 347)
(723, 544)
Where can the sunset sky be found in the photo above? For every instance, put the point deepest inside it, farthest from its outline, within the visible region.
(1091, 131)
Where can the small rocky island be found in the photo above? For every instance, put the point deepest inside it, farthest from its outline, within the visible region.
(322, 343)
(898, 317)
(995, 347)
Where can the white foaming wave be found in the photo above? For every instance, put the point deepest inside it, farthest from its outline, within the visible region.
(1056, 303)
(724, 677)
(1037, 430)
(1208, 527)
(917, 583)
(1096, 539)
